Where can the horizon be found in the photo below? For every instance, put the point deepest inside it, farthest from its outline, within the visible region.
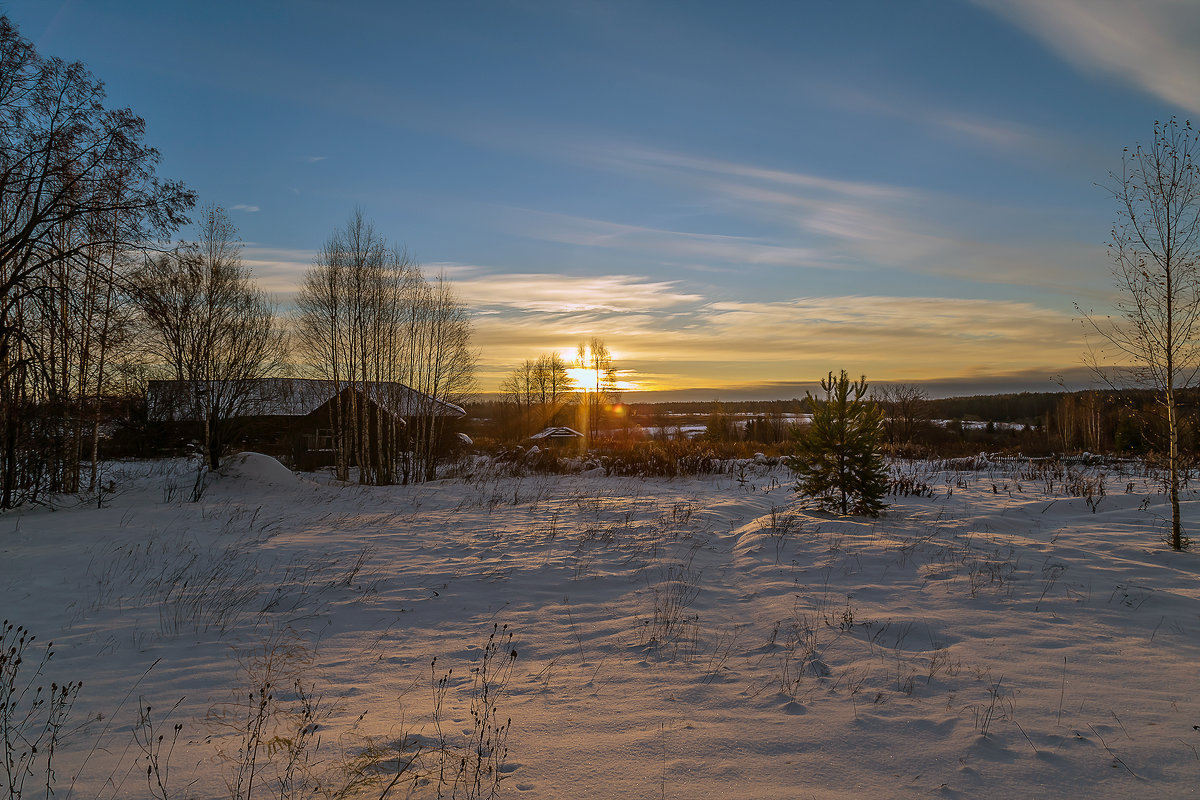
(736, 201)
(1072, 381)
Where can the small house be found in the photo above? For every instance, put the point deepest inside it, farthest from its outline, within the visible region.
(294, 419)
(557, 437)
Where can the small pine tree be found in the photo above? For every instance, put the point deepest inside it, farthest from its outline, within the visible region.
(838, 459)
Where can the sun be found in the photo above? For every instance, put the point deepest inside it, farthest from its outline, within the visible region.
(584, 379)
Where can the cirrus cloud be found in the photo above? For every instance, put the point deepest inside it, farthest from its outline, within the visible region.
(570, 294)
(1150, 44)
(737, 343)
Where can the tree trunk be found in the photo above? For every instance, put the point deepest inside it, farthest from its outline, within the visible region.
(1173, 470)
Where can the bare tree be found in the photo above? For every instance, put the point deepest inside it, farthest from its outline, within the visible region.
(108, 333)
(210, 329)
(77, 188)
(520, 394)
(905, 406)
(442, 369)
(353, 331)
(369, 322)
(601, 386)
(538, 390)
(73, 326)
(1082, 421)
(552, 381)
(1153, 340)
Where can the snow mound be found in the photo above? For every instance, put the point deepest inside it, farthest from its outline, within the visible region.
(257, 468)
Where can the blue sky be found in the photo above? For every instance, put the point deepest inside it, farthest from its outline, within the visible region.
(736, 197)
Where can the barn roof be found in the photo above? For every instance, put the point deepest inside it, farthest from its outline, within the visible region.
(561, 432)
(291, 397)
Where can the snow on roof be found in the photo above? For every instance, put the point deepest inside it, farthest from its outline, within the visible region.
(292, 397)
(561, 432)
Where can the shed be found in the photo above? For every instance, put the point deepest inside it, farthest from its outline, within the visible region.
(292, 418)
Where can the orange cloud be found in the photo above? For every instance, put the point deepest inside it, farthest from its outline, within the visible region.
(728, 343)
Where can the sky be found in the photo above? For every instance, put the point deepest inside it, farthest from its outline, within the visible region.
(736, 197)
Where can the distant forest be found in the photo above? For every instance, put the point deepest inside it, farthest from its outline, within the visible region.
(1024, 408)
(1128, 422)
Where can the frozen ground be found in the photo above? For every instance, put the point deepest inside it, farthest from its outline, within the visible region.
(674, 639)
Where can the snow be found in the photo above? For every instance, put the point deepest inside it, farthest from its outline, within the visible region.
(1018, 634)
(248, 469)
(561, 432)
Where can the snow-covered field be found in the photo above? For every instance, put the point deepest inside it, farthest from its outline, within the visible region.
(678, 639)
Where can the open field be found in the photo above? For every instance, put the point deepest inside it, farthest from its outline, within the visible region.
(1014, 631)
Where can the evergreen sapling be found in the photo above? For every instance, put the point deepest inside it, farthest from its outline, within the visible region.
(838, 461)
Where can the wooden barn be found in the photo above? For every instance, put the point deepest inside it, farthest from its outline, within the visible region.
(294, 419)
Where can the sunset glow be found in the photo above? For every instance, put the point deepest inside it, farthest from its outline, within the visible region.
(584, 379)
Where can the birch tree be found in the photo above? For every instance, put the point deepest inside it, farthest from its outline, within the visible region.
(596, 360)
(442, 369)
(1153, 339)
(370, 323)
(537, 390)
(210, 328)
